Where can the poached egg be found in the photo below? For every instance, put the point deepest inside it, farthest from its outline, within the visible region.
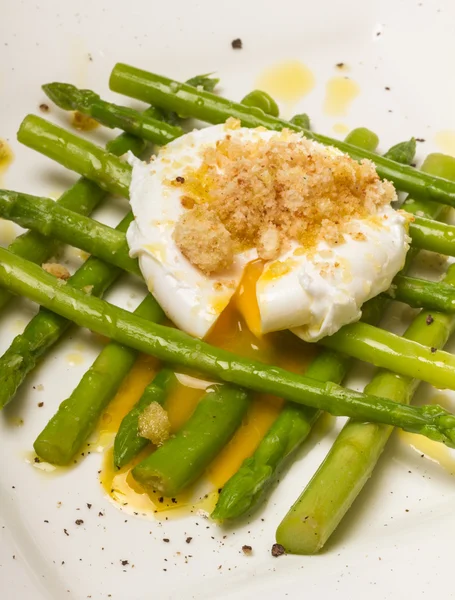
(312, 291)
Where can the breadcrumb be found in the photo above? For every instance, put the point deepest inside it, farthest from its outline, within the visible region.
(264, 193)
(57, 270)
(154, 424)
(204, 240)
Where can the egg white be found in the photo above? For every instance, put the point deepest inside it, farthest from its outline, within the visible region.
(313, 293)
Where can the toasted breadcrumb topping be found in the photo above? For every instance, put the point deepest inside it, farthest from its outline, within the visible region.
(264, 193)
(57, 270)
(154, 424)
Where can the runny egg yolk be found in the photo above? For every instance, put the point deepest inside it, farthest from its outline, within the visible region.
(231, 332)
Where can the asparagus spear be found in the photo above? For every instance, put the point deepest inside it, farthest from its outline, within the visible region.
(333, 489)
(184, 457)
(110, 173)
(150, 128)
(82, 197)
(249, 485)
(45, 216)
(168, 93)
(77, 416)
(128, 443)
(175, 347)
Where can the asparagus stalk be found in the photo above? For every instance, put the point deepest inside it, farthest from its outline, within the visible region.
(183, 458)
(45, 216)
(128, 443)
(175, 347)
(77, 416)
(69, 97)
(248, 486)
(110, 173)
(168, 93)
(82, 197)
(333, 489)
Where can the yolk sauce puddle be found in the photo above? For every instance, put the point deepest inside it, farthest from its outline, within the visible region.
(231, 333)
(82, 122)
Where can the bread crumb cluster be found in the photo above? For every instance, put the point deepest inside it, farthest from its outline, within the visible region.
(154, 424)
(57, 270)
(263, 193)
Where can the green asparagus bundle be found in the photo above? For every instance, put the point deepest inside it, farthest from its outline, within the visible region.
(352, 458)
(82, 198)
(175, 347)
(77, 416)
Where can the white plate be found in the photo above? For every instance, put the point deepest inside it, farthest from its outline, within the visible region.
(381, 549)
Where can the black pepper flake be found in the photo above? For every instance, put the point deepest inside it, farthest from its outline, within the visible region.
(124, 562)
(433, 349)
(89, 505)
(79, 522)
(237, 44)
(429, 320)
(44, 107)
(278, 550)
(420, 139)
(161, 499)
(40, 404)
(247, 549)
(36, 459)
(46, 521)
(180, 179)
(100, 514)
(167, 540)
(219, 490)
(340, 65)
(66, 532)
(174, 500)
(188, 540)
(387, 88)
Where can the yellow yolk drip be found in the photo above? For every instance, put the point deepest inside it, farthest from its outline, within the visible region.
(246, 299)
(231, 333)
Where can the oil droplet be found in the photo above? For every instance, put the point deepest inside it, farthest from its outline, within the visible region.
(434, 451)
(6, 157)
(83, 122)
(75, 358)
(340, 128)
(446, 141)
(340, 92)
(287, 81)
(7, 232)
